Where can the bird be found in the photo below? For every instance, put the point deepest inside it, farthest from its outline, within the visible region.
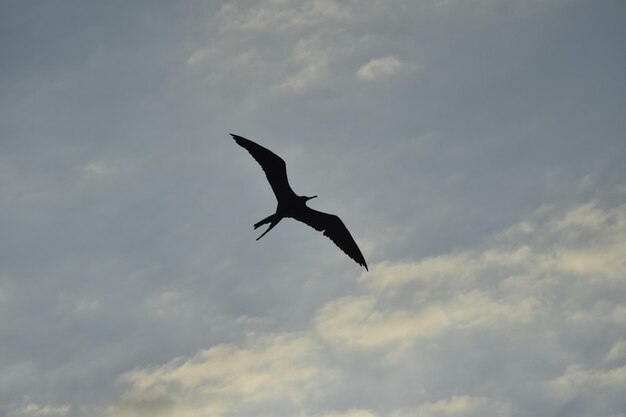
(294, 206)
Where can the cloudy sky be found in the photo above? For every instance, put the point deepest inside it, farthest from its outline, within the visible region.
(475, 149)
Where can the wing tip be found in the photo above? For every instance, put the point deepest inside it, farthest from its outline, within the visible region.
(239, 139)
(362, 263)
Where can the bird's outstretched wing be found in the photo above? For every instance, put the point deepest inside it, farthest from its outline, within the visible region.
(333, 227)
(273, 165)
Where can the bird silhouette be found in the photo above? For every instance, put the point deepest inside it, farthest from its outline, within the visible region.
(294, 206)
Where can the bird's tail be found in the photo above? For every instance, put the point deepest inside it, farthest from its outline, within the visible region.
(273, 220)
(266, 220)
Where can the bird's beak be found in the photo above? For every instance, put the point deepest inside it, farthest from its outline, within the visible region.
(310, 198)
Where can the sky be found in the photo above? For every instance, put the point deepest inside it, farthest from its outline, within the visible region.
(474, 149)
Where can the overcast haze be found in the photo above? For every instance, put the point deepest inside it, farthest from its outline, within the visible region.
(475, 150)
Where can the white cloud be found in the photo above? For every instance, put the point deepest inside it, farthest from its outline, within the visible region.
(617, 352)
(577, 380)
(98, 169)
(358, 323)
(298, 43)
(313, 60)
(198, 56)
(31, 409)
(586, 241)
(353, 412)
(381, 67)
(227, 379)
(459, 406)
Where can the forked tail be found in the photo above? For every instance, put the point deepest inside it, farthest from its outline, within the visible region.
(273, 220)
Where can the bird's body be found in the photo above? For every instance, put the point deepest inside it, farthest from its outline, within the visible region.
(294, 206)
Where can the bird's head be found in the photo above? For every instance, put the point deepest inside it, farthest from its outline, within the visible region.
(305, 198)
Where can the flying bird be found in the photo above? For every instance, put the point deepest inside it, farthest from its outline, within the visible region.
(294, 206)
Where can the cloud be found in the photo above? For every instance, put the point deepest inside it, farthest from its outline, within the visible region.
(299, 46)
(353, 412)
(31, 409)
(459, 406)
(617, 352)
(282, 15)
(125, 208)
(380, 68)
(359, 323)
(297, 43)
(439, 315)
(313, 60)
(577, 379)
(595, 388)
(74, 305)
(98, 169)
(281, 371)
(586, 241)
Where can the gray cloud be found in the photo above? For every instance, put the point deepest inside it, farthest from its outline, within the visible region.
(480, 169)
